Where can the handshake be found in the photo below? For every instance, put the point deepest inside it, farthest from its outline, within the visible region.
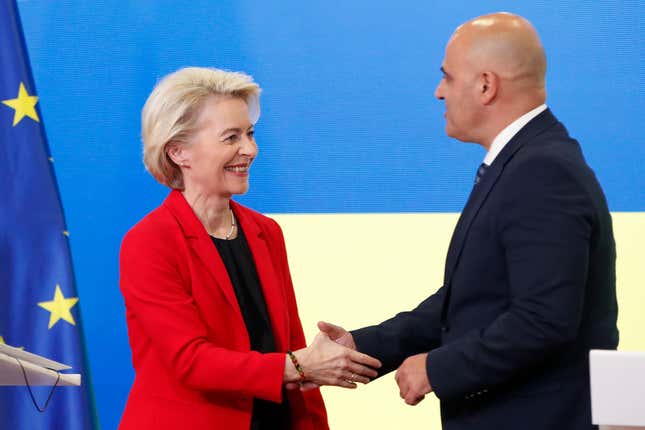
(332, 359)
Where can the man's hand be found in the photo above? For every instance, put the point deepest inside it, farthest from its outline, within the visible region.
(412, 379)
(337, 334)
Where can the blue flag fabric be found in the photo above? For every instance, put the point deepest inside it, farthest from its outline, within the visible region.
(39, 308)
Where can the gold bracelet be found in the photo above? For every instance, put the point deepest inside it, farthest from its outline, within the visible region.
(297, 365)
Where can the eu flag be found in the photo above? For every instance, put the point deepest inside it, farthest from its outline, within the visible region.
(39, 307)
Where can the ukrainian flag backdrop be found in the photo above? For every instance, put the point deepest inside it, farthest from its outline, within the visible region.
(354, 162)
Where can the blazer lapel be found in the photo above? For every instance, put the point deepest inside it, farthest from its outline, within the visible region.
(201, 244)
(271, 288)
(480, 192)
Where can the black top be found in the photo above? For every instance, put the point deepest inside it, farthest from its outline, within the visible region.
(237, 258)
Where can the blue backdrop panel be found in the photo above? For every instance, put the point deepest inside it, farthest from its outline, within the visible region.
(349, 122)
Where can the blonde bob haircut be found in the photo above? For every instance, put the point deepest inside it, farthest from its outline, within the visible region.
(170, 114)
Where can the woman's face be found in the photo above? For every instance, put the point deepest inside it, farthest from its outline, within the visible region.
(218, 156)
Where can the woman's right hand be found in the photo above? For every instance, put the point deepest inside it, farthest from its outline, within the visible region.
(326, 362)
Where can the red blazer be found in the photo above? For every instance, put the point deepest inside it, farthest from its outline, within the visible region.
(190, 348)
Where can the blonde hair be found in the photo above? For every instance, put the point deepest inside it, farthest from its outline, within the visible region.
(170, 114)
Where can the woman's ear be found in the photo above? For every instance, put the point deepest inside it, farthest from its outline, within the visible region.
(178, 155)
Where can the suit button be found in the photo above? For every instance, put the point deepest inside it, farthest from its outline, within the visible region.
(445, 328)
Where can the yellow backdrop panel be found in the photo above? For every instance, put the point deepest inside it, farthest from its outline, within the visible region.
(359, 269)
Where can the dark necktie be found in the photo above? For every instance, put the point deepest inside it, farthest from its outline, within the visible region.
(481, 171)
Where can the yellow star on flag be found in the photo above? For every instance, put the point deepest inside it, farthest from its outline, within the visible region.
(60, 308)
(23, 105)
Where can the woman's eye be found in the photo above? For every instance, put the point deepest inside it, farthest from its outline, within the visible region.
(231, 139)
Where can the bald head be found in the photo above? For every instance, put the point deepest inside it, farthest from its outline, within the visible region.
(493, 73)
(505, 44)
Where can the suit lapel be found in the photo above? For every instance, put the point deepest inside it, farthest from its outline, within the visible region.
(269, 280)
(475, 200)
(201, 244)
(482, 190)
(203, 247)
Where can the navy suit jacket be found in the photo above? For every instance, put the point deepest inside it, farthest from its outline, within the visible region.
(529, 288)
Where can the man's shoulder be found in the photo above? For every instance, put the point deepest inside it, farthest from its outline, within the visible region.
(553, 146)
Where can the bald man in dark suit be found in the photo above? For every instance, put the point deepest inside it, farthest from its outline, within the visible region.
(529, 285)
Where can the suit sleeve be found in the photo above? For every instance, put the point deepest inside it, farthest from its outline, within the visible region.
(544, 229)
(406, 334)
(162, 309)
(313, 400)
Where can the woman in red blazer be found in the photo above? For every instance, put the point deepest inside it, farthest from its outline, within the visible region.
(210, 306)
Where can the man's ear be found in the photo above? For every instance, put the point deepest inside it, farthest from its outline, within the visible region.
(177, 154)
(488, 87)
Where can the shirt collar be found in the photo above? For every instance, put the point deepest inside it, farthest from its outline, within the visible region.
(507, 134)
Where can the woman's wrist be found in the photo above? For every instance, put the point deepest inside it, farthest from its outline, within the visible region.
(291, 373)
(296, 365)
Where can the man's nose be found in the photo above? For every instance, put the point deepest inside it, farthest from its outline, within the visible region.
(438, 91)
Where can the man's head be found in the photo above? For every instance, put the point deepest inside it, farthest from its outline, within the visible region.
(494, 71)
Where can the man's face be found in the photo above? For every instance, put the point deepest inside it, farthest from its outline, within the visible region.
(458, 90)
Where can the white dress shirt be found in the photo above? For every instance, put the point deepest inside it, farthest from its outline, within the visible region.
(507, 134)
